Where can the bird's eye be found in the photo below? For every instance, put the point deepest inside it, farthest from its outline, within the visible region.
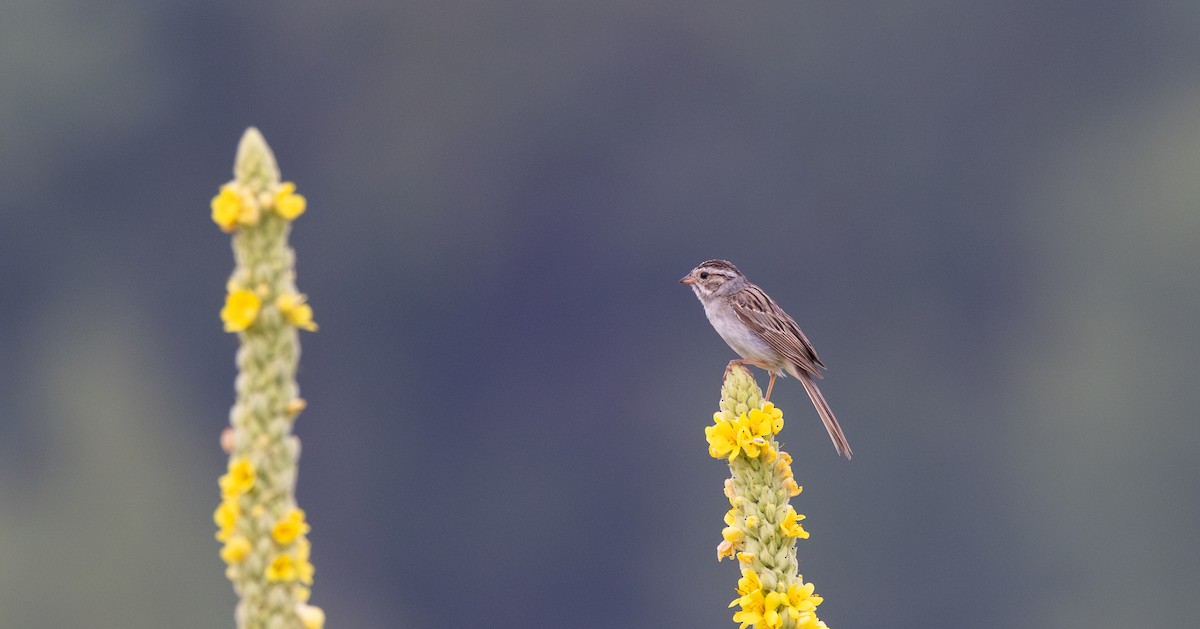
(704, 275)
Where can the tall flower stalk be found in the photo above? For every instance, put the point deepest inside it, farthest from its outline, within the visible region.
(263, 531)
(761, 527)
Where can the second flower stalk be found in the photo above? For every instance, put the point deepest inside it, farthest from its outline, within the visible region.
(264, 532)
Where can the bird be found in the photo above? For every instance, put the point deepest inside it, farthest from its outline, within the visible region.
(763, 335)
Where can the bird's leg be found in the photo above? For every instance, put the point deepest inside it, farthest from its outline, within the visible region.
(728, 368)
(770, 385)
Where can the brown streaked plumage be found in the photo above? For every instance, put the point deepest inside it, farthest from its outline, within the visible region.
(762, 334)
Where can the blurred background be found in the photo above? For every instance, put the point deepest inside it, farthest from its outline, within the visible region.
(987, 218)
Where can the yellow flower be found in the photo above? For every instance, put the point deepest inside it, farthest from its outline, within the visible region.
(748, 588)
(304, 568)
(288, 204)
(304, 571)
(801, 606)
(230, 209)
(758, 422)
(225, 517)
(753, 606)
(282, 568)
(774, 416)
(241, 309)
(746, 440)
(768, 452)
(296, 311)
(289, 527)
(748, 583)
(772, 619)
(226, 208)
(802, 598)
(749, 434)
(239, 479)
(792, 488)
(311, 616)
(722, 440)
(235, 550)
(732, 538)
(783, 465)
(791, 524)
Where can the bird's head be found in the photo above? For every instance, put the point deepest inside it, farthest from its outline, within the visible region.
(714, 278)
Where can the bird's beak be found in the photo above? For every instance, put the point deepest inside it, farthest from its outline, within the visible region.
(688, 279)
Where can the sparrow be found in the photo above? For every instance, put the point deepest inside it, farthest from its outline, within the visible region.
(762, 334)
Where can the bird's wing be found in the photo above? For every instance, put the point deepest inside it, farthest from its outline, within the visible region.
(773, 325)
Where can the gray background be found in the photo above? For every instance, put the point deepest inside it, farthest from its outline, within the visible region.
(985, 215)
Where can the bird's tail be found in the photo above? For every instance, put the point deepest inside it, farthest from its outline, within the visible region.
(831, 424)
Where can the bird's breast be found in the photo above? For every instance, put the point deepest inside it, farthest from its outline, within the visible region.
(738, 335)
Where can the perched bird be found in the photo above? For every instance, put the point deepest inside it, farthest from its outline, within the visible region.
(762, 334)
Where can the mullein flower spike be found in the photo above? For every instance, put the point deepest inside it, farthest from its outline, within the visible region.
(761, 527)
(266, 547)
